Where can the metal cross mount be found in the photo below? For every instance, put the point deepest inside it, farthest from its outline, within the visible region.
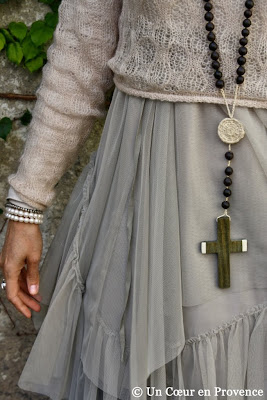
(223, 247)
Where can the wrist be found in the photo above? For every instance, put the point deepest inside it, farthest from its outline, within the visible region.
(21, 214)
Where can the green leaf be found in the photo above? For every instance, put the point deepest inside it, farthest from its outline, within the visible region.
(51, 19)
(1, 210)
(55, 5)
(29, 49)
(14, 52)
(40, 33)
(2, 41)
(26, 118)
(18, 30)
(7, 35)
(35, 64)
(3, 1)
(43, 55)
(5, 127)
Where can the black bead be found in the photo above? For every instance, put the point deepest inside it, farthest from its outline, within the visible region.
(215, 55)
(211, 36)
(210, 26)
(229, 171)
(246, 23)
(241, 60)
(209, 16)
(249, 4)
(217, 74)
(213, 46)
(240, 80)
(227, 181)
(225, 204)
(240, 70)
(227, 192)
(243, 41)
(245, 32)
(242, 51)
(220, 83)
(215, 64)
(208, 6)
(229, 155)
(247, 13)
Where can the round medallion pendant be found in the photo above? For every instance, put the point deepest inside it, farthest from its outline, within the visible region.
(230, 130)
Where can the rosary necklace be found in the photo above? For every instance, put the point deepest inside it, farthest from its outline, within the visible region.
(230, 131)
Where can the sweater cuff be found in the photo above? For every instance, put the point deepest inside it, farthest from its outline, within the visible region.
(14, 197)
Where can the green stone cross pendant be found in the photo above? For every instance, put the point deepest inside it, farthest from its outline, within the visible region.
(223, 247)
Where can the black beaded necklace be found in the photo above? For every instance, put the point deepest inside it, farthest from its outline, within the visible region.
(230, 131)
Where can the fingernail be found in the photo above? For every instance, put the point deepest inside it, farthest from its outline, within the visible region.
(33, 289)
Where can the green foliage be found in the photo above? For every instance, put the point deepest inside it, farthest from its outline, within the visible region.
(18, 30)
(54, 4)
(26, 46)
(2, 41)
(26, 118)
(51, 19)
(5, 127)
(7, 35)
(35, 64)
(14, 52)
(6, 123)
(29, 49)
(41, 33)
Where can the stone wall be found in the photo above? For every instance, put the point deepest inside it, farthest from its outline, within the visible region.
(17, 333)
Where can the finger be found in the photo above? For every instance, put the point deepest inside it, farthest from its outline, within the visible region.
(29, 301)
(20, 306)
(32, 275)
(24, 287)
(12, 289)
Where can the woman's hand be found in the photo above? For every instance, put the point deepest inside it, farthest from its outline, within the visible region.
(23, 245)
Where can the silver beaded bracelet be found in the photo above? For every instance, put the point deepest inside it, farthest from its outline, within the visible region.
(21, 214)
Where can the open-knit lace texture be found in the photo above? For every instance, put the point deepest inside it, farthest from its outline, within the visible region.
(163, 51)
(154, 48)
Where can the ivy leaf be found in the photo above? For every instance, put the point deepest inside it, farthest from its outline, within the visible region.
(18, 30)
(35, 64)
(55, 5)
(14, 52)
(43, 55)
(2, 41)
(41, 33)
(51, 19)
(26, 118)
(29, 49)
(5, 127)
(7, 35)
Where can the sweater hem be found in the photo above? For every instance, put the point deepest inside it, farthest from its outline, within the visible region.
(188, 97)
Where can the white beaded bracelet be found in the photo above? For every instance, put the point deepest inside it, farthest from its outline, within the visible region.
(23, 216)
(24, 219)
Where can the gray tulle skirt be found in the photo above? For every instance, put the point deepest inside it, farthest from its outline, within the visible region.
(128, 299)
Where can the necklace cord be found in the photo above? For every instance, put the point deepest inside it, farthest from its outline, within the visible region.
(231, 113)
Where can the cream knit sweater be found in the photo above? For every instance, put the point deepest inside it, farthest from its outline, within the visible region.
(149, 48)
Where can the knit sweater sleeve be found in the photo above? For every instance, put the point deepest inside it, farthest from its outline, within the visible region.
(70, 97)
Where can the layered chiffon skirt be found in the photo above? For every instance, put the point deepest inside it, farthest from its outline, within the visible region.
(129, 302)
